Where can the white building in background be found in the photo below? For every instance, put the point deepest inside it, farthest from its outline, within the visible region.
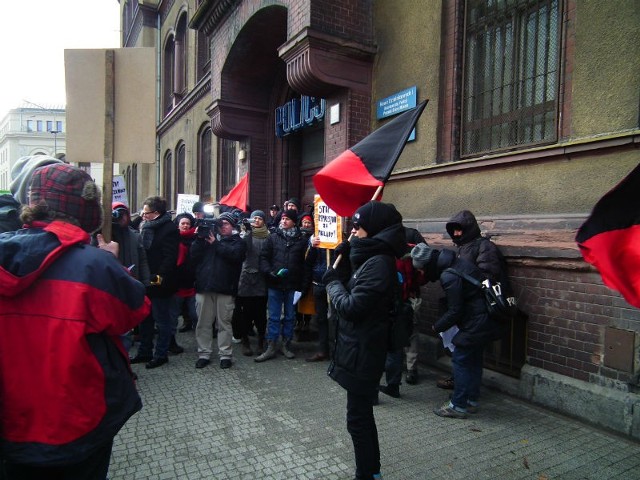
(30, 130)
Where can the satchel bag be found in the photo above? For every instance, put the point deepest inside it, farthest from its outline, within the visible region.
(500, 306)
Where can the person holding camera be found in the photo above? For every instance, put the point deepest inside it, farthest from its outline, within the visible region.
(282, 262)
(218, 258)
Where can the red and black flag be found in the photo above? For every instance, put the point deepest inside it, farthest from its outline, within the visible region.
(350, 180)
(610, 238)
(238, 195)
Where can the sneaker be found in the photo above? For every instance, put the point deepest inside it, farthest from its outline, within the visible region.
(449, 412)
(225, 363)
(446, 383)
(156, 362)
(412, 377)
(186, 328)
(202, 362)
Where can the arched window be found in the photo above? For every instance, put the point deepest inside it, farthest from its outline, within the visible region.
(167, 178)
(203, 60)
(167, 75)
(181, 168)
(180, 55)
(204, 163)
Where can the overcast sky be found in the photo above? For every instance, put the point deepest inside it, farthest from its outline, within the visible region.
(35, 35)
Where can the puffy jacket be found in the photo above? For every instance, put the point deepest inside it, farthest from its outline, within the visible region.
(282, 251)
(362, 307)
(465, 304)
(9, 214)
(473, 247)
(218, 264)
(65, 382)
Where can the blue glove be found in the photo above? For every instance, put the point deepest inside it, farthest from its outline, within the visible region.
(283, 272)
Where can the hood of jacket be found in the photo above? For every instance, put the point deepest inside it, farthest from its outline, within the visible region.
(465, 221)
(27, 253)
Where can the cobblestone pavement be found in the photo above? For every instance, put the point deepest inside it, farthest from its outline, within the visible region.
(285, 419)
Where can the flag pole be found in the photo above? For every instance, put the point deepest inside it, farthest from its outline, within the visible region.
(374, 197)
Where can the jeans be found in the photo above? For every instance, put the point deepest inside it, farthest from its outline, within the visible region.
(165, 322)
(278, 298)
(467, 371)
(361, 425)
(393, 367)
(322, 320)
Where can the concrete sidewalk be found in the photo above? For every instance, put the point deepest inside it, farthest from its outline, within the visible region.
(285, 419)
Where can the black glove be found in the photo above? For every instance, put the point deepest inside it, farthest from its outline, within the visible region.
(247, 224)
(343, 249)
(330, 275)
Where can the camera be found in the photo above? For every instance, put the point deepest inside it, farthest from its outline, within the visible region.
(206, 226)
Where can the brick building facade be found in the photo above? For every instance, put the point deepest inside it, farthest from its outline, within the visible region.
(532, 117)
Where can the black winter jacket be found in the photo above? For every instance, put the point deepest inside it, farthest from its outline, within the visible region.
(473, 247)
(218, 264)
(362, 308)
(466, 307)
(162, 255)
(281, 251)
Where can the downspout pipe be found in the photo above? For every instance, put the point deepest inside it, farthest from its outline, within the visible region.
(158, 105)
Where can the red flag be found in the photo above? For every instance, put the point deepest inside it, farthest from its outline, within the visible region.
(610, 238)
(238, 195)
(350, 180)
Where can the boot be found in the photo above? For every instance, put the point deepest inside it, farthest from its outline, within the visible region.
(268, 354)
(261, 343)
(286, 344)
(174, 348)
(391, 390)
(246, 347)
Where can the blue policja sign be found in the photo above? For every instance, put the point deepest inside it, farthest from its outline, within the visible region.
(398, 103)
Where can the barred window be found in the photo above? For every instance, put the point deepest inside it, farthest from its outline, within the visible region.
(510, 75)
(227, 165)
(204, 164)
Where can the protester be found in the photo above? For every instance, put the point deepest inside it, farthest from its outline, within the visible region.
(362, 302)
(218, 258)
(160, 240)
(65, 383)
(251, 302)
(20, 178)
(467, 311)
(274, 218)
(471, 246)
(186, 295)
(282, 261)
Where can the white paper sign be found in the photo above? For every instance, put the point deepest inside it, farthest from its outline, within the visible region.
(119, 193)
(328, 224)
(185, 202)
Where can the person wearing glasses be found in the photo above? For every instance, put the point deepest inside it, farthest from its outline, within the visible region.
(160, 239)
(361, 291)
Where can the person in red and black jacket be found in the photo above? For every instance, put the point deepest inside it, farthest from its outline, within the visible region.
(186, 273)
(65, 381)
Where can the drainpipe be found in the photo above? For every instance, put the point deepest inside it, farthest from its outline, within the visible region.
(158, 106)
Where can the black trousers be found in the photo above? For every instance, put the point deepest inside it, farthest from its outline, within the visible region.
(361, 425)
(95, 467)
(249, 311)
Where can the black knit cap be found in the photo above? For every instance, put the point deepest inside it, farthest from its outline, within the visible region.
(292, 214)
(375, 216)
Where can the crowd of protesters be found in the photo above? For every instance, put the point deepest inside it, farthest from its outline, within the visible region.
(231, 277)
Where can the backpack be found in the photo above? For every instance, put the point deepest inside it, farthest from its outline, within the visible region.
(400, 319)
(500, 302)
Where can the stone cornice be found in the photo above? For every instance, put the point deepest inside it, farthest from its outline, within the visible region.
(210, 14)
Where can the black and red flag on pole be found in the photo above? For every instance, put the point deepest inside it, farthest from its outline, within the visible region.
(350, 180)
(610, 238)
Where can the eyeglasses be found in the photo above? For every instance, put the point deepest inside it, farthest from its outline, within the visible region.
(356, 226)
(147, 213)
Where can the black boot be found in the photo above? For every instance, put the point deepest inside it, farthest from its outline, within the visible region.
(391, 390)
(174, 348)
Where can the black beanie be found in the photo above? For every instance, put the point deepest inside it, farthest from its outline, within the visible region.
(292, 214)
(376, 216)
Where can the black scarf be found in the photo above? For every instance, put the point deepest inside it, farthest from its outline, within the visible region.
(149, 228)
